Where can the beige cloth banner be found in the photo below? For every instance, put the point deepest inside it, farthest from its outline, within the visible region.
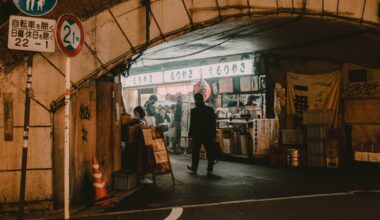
(312, 92)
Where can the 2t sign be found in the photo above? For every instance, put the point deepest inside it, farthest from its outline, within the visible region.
(70, 34)
(70, 38)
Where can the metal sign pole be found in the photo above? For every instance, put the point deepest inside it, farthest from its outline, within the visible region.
(28, 93)
(67, 140)
(69, 35)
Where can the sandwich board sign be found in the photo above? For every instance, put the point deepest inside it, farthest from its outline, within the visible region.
(69, 35)
(35, 7)
(31, 34)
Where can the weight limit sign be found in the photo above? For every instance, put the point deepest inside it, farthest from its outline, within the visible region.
(69, 35)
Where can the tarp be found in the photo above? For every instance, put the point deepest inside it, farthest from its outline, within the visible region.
(312, 92)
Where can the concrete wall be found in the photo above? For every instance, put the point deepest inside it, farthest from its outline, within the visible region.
(360, 103)
(361, 106)
(106, 45)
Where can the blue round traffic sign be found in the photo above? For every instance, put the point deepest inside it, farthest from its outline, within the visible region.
(35, 7)
(69, 34)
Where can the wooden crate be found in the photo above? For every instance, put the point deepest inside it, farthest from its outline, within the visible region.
(124, 180)
(332, 162)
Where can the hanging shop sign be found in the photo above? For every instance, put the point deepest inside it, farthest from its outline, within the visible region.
(35, 7)
(220, 70)
(229, 69)
(31, 34)
(143, 79)
(203, 88)
(70, 35)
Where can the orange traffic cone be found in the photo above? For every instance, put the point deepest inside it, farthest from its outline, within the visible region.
(102, 198)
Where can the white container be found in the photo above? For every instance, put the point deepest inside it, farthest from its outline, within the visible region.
(227, 142)
(244, 144)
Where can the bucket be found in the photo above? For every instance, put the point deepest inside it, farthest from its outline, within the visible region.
(293, 158)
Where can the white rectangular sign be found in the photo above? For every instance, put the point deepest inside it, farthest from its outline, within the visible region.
(143, 79)
(31, 34)
(228, 69)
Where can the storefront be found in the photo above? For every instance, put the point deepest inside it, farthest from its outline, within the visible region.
(236, 92)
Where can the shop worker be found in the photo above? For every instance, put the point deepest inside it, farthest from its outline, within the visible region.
(162, 119)
(202, 131)
(150, 110)
(177, 124)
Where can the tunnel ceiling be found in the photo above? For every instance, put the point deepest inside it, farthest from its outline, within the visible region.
(319, 37)
(300, 37)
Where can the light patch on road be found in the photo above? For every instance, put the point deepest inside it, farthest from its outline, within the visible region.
(175, 214)
(180, 209)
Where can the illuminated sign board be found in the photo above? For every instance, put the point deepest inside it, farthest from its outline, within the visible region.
(228, 69)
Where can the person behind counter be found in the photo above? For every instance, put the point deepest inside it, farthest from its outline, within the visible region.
(162, 119)
(150, 110)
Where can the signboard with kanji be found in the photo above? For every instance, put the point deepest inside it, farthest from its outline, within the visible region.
(31, 34)
(35, 7)
(212, 71)
(70, 35)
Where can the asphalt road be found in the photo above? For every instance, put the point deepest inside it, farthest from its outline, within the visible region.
(236, 181)
(248, 191)
(351, 205)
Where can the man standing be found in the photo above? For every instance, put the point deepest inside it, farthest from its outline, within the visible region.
(177, 125)
(202, 131)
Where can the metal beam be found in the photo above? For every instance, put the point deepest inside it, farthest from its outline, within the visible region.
(249, 7)
(364, 5)
(55, 67)
(188, 14)
(122, 31)
(219, 9)
(158, 26)
(337, 7)
(95, 55)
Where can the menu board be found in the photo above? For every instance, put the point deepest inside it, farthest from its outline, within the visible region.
(245, 84)
(157, 154)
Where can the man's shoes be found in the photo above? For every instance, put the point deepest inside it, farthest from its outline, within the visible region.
(191, 169)
(210, 173)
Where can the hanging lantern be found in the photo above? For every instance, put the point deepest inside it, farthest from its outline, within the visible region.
(203, 88)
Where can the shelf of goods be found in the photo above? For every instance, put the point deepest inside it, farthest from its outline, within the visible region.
(236, 140)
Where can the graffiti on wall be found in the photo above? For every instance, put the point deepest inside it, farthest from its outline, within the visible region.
(84, 134)
(362, 89)
(84, 112)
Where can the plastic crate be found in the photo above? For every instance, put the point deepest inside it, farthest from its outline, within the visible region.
(332, 162)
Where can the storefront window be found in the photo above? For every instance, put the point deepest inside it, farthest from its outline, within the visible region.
(130, 98)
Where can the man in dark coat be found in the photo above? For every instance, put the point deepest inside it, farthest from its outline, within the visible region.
(202, 131)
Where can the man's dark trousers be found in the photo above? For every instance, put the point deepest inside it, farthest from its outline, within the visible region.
(210, 152)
